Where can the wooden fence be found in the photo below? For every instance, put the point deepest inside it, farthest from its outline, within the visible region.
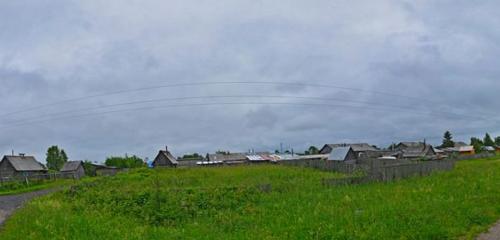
(347, 168)
(38, 177)
(405, 170)
(375, 169)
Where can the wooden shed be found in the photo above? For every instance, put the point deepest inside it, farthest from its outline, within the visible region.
(73, 169)
(165, 159)
(21, 166)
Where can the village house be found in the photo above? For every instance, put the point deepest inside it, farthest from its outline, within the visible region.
(165, 159)
(73, 169)
(101, 170)
(414, 150)
(361, 150)
(460, 148)
(488, 149)
(20, 166)
(228, 158)
(344, 154)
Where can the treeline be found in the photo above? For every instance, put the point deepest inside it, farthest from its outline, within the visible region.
(477, 143)
(125, 162)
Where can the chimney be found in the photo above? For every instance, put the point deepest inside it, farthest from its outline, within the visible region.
(166, 148)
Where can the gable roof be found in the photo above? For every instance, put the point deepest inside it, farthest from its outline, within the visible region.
(488, 148)
(169, 156)
(71, 166)
(356, 147)
(460, 144)
(24, 163)
(415, 149)
(339, 153)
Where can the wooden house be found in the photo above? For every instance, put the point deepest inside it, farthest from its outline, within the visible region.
(165, 159)
(414, 150)
(343, 154)
(20, 166)
(360, 150)
(73, 169)
(228, 158)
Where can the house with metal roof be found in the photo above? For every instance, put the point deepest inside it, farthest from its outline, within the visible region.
(165, 159)
(344, 154)
(16, 166)
(488, 149)
(73, 169)
(360, 149)
(228, 158)
(460, 150)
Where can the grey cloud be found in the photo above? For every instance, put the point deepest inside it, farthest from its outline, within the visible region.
(442, 55)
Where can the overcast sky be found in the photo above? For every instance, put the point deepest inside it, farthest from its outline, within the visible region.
(102, 78)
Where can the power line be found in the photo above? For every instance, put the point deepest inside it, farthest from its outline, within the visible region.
(205, 104)
(230, 96)
(288, 84)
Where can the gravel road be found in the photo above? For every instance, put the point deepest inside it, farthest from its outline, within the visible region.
(9, 203)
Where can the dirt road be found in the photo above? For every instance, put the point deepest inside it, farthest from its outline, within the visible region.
(493, 234)
(9, 203)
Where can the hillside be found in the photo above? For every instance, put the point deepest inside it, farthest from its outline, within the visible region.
(265, 202)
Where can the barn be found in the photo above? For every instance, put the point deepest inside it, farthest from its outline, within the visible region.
(165, 159)
(20, 166)
(73, 169)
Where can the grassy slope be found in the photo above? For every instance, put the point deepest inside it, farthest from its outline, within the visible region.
(266, 202)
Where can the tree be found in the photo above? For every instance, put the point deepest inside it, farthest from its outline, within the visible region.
(488, 141)
(477, 143)
(90, 168)
(56, 158)
(447, 140)
(312, 150)
(497, 141)
(194, 156)
(64, 157)
(125, 162)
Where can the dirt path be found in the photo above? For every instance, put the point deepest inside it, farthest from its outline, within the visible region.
(493, 234)
(9, 203)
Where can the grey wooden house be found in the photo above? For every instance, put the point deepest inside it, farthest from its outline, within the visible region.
(20, 166)
(73, 169)
(165, 159)
(414, 150)
(360, 150)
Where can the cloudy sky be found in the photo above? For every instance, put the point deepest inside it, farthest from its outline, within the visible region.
(102, 78)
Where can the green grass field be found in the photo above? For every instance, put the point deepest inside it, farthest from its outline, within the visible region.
(265, 202)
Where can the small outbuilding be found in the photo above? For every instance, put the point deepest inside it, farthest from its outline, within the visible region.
(21, 166)
(342, 154)
(165, 159)
(73, 169)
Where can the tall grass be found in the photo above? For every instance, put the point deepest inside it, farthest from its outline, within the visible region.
(265, 202)
(16, 187)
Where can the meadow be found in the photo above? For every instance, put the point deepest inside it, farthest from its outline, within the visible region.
(265, 202)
